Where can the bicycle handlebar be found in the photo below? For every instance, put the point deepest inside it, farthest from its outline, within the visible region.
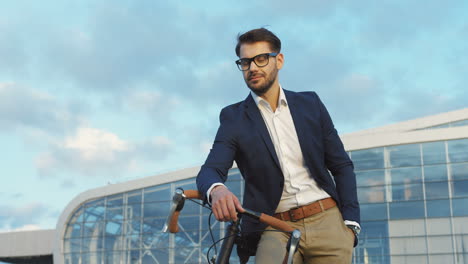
(178, 203)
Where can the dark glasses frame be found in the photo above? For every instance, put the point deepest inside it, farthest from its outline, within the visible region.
(246, 62)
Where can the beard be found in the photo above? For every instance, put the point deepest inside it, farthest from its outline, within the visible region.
(261, 88)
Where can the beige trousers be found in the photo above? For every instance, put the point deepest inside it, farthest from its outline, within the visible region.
(325, 239)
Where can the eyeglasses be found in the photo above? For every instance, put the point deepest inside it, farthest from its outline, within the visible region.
(261, 60)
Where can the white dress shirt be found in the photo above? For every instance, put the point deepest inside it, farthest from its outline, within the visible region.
(299, 187)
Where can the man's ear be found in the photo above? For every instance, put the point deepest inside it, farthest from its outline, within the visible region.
(279, 61)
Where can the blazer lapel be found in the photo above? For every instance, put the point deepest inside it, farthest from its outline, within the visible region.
(254, 114)
(299, 121)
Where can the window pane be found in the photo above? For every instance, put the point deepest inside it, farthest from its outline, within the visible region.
(113, 228)
(153, 225)
(93, 229)
(459, 171)
(460, 188)
(133, 242)
(374, 229)
(134, 197)
(438, 208)
(370, 177)
(73, 230)
(439, 226)
(133, 210)
(73, 258)
(404, 155)
(160, 209)
(407, 192)
(440, 244)
(371, 194)
(458, 150)
(368, 159)
(434, 153)
(407, 228)
(406, 210)
(435, 173)
(162, 255)
(409, 246)
(158, 193)
(72, 245)
(406, 175)
(115, 201)
(113, 256)
(132, 228)
(435, 190)
(94, 257)
(114, 213)
(92, 244)
(94, 211)
(371, 254)
(461, 241)
(113, 243)
(460, 207)
(373, 211)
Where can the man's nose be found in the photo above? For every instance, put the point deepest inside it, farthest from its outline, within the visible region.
(253, 66)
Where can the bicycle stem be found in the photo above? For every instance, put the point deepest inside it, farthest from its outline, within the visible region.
(292, 246)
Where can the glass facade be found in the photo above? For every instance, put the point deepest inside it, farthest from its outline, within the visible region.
(126, 228)
(414, 199)
(414, 209)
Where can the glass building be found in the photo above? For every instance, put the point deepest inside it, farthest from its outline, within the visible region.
(126, 227)
(412, 185)
(414, 203)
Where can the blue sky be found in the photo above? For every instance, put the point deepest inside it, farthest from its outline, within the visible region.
(93, 92)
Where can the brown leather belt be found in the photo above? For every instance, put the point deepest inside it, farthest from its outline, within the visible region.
(299, 213)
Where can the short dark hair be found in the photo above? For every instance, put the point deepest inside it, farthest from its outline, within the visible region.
(257, 35)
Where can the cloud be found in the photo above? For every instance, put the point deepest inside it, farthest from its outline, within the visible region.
(123, 45)
(26, 109)
(22, 217)
(93, 152)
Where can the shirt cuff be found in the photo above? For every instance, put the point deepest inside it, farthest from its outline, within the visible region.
(208, 197)
(354, 223)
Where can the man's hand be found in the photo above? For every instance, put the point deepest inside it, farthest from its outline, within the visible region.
(225, 204)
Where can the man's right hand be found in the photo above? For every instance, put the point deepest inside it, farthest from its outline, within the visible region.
(225, 204)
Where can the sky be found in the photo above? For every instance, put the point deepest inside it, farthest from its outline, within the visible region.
(95, 92)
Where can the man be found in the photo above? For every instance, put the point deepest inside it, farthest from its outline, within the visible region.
(284, 144)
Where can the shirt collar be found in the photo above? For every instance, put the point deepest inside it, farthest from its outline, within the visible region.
(281, 99)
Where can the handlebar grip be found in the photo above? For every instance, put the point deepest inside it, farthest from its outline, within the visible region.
(173, 226)
(275, 223)
(193, 194)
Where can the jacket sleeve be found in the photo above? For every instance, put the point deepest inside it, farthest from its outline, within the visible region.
(221, 156)
(341, 167)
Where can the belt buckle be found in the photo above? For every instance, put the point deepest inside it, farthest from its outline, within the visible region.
(291, 214)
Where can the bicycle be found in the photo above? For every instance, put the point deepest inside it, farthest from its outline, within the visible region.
(233, 231)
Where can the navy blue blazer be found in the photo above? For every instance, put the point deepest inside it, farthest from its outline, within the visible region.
(243, 137)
